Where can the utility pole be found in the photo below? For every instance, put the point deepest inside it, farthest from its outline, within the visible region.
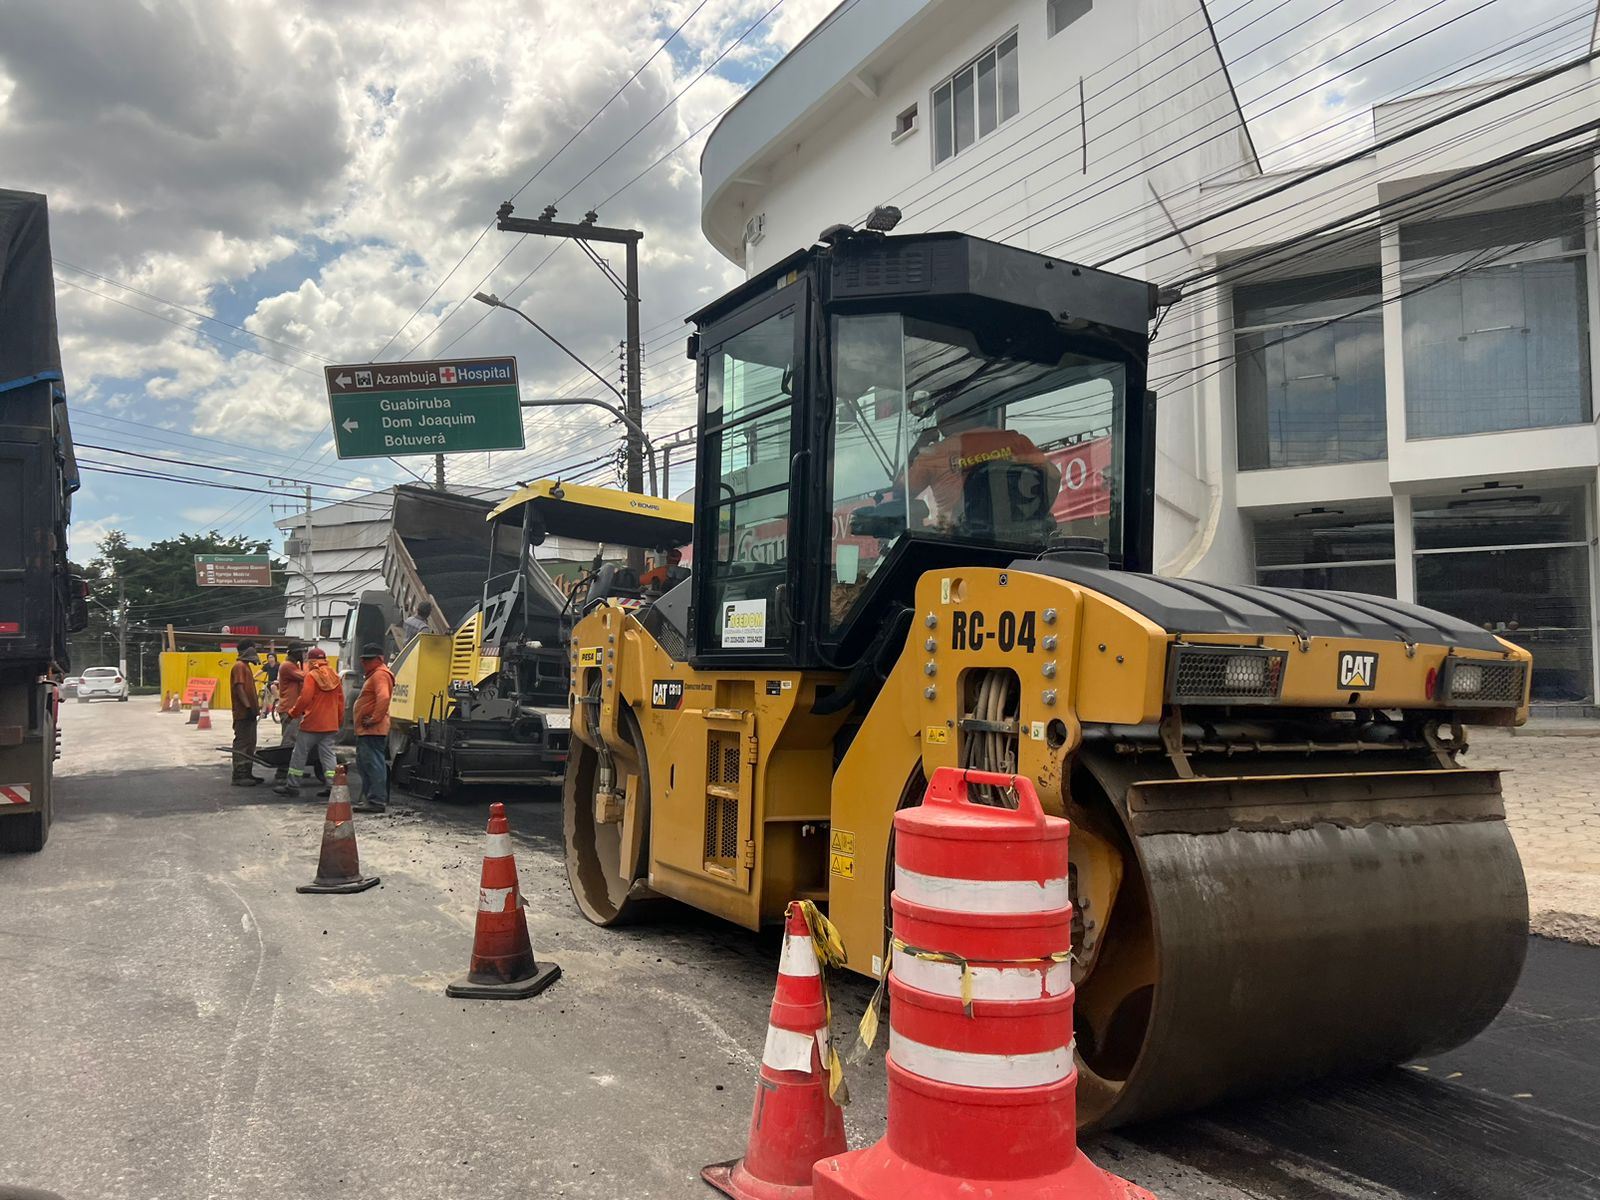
(589, 231)
(309, 559)
(122, 626)
(438, 472)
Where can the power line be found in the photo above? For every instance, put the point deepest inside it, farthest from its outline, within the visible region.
(185, 325)
(128, 287)
(593, 117)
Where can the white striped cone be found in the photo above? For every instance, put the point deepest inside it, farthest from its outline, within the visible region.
(795, 1121)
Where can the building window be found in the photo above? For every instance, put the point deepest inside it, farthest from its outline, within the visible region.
(1515, 562)
(1061, 13)
(1496, 321)
(1309, 377)
(1349, 549)
(976, 100)
(905, 124)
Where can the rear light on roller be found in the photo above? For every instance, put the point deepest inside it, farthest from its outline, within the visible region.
(1224, 674)
(1482, 683)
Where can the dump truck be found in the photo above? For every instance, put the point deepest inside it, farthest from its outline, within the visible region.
(488, 702)
(438, 551)
(923, 538)
(40, 602)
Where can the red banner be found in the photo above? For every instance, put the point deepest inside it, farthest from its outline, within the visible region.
(1085, 491)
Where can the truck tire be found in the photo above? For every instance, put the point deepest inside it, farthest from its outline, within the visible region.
(27, 833)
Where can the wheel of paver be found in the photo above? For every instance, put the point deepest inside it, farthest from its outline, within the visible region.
(606, 859)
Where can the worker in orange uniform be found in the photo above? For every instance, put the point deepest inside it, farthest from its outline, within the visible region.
(291, 675)
(372, 731)
(320, 709)
(964, 443)
(246, 703)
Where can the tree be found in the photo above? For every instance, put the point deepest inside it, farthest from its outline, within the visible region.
(160, 589)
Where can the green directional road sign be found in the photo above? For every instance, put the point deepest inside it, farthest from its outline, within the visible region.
(383, 410)
(233, 570)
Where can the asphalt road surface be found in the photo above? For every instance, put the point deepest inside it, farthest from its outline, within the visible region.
(180, 1023)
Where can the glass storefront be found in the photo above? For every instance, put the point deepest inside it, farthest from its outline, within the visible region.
(1496, 317)
(1344, 550)
(1309, 355)
(1516, 563)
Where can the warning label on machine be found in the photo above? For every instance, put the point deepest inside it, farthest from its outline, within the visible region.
(842, 854)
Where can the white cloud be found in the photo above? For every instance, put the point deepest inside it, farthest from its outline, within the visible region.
(85, 536)
(329, 162)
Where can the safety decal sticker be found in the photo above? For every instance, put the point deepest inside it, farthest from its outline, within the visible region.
(1358, 671)
(666, 693)
(842, 854)
(936, 735)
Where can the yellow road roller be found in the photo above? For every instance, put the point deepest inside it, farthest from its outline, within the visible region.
(922, 538)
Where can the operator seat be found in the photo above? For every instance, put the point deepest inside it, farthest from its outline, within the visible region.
(613, 581)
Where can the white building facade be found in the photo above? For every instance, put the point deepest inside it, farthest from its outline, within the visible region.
(1380, 377)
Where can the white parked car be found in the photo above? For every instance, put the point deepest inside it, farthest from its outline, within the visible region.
(102, 683)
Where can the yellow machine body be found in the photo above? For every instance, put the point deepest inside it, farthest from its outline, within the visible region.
(747, 810)
(422, 673)
(924, 533)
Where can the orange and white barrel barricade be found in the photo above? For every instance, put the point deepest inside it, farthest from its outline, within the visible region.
(503, 966)
(982, 1081)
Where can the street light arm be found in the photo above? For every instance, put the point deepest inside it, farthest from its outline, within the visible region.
(633, 427)
(495, 302)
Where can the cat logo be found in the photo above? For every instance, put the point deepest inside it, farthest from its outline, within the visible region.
(1358, 672)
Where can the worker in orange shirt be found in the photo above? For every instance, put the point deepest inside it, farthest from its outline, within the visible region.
(966, 442)
(320, 709)
(371, 716)
(291, 675)
(246, 704)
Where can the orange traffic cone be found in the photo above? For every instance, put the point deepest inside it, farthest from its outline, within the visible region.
(503, 966)
(795, 1121)
(204, 720)
(339, 867)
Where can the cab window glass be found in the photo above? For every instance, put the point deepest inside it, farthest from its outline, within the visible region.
(938, 435)
(749, 408)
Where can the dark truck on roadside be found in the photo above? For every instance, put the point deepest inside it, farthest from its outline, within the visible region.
(41, 602)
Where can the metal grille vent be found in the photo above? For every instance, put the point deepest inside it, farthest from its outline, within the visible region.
(882, 270)
(722, 808)
(1490, 684)
(722, 760)
(1225, 675)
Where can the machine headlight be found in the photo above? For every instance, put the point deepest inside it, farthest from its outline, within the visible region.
(1224, 674)
(1466, 681)
(1244, 672)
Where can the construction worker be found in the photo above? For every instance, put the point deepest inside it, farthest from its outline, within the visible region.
(371, 716)
(665, 571)
(320, 708)
(246, 703)
(418, 622)
(965, 441)
(291, 675)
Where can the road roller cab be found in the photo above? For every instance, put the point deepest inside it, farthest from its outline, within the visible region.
(923, 539)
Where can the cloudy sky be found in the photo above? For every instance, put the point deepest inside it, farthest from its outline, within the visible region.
(244, 190)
